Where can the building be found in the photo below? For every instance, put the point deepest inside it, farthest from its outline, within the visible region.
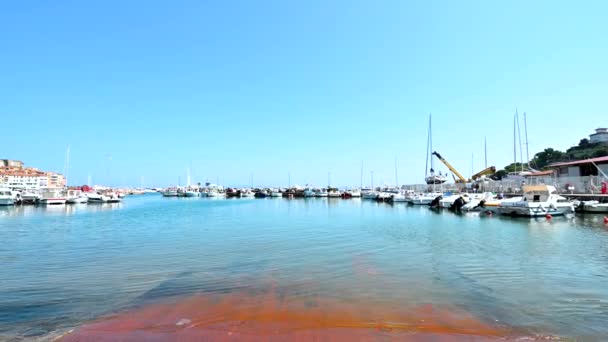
(600, 136)
(55, 180)
(8, 163)
(581, 168)
(15, 175)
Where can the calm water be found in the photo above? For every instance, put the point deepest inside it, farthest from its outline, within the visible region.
(62, 267)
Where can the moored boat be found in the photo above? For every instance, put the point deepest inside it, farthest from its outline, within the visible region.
(53, 197)
(537, 200)
(6, 197)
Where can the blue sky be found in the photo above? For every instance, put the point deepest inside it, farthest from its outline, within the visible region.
(232, 89)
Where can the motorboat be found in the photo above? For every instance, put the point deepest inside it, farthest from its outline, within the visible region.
(355, 193)
(398, 197)
(309, 192)
(170, 192)
(52, 197)
(321, 193)
(247, 193)
(262, 194)
(334, 193)
(425, 198)
(276, 193)
(591, 207)
(6, 197)
(76, 196)
(368, 194)
(537, 200)
(30, 197)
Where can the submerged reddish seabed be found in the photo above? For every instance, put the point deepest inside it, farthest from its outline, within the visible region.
(245, 315)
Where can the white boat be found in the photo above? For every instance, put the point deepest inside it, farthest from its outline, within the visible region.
(247, 193)
(354, 193)
(538, 200)
(369, 194)
(591, 207)
(76, 197)
(309, 192)
(170, 192)
(424, 199)
(333, 193)
(6, 197)
(321, 193)
(52, 197)
(108, 197)
(30, 196)
(399, 197)
(276, 193)
(113, 197)
(191, 193)
(94, 197)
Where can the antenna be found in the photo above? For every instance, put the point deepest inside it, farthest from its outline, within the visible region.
(428, 149)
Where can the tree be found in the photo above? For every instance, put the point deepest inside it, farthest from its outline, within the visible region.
(584, 143)
(548, 156)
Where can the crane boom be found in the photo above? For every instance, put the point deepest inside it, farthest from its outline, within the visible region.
(460, 179)
(485, 172)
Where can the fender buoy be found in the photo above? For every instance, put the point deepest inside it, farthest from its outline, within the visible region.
(548, 216)
(605, 219)
(604, 187)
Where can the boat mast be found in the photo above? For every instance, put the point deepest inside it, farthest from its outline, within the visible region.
(485, 150)
(361, 175)
(514, 140)
(526, 132)
(328, 179)
(396, 175)
(67, 165)
(372, 175)
(521, 154)
(428, 150)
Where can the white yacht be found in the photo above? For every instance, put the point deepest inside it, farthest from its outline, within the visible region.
(6, 197)
(538, 200)
(76, 196)
(276, 193)
(94, 197)
(398, 197)
(52, 197)
(30, 196)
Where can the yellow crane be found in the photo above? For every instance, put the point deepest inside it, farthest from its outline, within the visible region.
(485, 172)
(460, 179)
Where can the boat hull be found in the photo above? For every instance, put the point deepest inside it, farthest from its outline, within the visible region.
(536, 210)
(6, 201)
(53, 201)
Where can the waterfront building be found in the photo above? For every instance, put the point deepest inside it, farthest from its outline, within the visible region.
(15, 175)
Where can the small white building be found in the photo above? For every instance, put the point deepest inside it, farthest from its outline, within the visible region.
(600, 136)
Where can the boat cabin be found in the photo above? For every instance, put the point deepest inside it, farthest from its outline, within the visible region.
(537, 193)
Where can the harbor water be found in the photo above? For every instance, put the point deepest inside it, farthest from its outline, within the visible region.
(154, 268)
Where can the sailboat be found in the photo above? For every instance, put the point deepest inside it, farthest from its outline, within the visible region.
(432, 177)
